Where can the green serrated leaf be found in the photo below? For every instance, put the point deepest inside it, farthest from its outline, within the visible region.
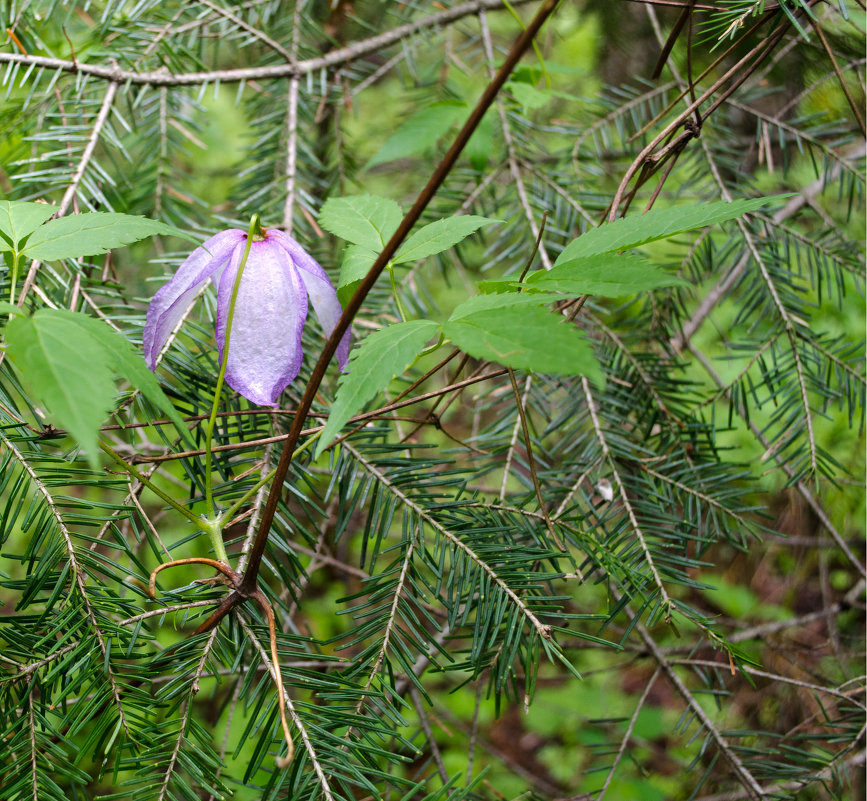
(70, 361)
(639, 229)
(420, 132)
(498, 287)
(367, 220)
(67, 370)
(10, 308)
(523, 335)
(128, 363)
(19, 218)
(357, 261)
(372, 364)
(496, 301)
(91, 234)
(608, 274)
(439, 236)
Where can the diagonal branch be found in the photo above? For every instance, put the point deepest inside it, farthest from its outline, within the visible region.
(83, 162)
(752, 787)
(292, 124)
(802, 488)
(425, 196)
(78, 574)
(274, 45)
(185, 713)
(628, 734)
(87, 154)
(528, 445)
(34, 768)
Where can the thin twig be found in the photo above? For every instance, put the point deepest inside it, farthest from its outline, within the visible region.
(752, 787)
(624, 741)
(335, 59)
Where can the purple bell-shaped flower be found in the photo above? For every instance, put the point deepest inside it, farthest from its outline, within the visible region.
(270, 309)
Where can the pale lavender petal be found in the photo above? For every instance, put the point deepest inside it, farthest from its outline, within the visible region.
(320, 289)
(265, 346)
(171, 300)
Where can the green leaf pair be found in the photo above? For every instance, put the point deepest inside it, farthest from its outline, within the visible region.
(70, 361)
(67, 360)
(23, 229)
(369, 221)
(511, 329)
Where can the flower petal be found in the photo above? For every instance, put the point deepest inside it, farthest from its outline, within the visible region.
(320, 289)
(265, 346)
(171, 300)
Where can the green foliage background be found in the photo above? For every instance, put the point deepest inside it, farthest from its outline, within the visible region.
(706, 620)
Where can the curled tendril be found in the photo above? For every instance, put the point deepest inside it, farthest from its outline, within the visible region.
(236, 598)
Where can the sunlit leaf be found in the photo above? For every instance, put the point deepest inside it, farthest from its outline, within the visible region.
(517, 331)
(608, 274)
(366, 220)
(639, 229)
(439, 236)
(372, 365)
(92, 234)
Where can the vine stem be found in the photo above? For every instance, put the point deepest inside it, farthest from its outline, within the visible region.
(524, 41)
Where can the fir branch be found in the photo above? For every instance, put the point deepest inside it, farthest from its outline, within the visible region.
(306, 740)
(78, 575)
(541, 629)
(624, 498)
(334, 59)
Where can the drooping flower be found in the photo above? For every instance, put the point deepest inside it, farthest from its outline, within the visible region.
(270, 308)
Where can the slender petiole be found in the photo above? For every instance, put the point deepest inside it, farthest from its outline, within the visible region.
(13, 275)
(400, 310)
